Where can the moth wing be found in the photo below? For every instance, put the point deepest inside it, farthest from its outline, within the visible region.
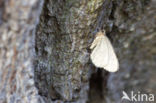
(94, 43)
(99, 55)
(113, 64)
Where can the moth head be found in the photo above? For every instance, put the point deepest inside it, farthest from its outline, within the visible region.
(100, 34)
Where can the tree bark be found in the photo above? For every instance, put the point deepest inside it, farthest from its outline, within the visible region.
(49, 62)
(18, 20)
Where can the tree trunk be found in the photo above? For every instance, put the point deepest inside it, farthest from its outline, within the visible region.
(18, 20)
(49, 62)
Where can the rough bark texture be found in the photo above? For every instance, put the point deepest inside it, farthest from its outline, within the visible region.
(57, 60)
(18, 19)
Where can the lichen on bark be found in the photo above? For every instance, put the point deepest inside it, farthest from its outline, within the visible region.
(62, 39)
(49, 62)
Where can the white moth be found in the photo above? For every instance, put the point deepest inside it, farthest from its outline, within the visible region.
(103, 55)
